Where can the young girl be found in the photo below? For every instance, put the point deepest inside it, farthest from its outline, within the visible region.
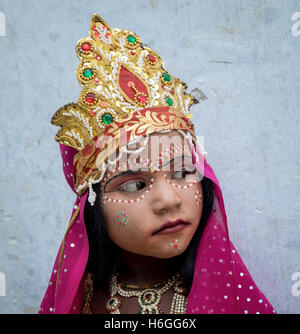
(148, 232)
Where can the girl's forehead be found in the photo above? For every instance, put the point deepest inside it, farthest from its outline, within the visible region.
(157, 143)
(152, 153)
(161, 142)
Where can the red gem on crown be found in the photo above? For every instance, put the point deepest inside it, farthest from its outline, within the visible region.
(151, 58)
(142, 99)
(86, 47)
(90, 98)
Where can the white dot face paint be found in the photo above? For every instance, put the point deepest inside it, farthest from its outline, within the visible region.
(128, 200)
(198, 197)
(182, 186)
(176, 179)
(132, 186)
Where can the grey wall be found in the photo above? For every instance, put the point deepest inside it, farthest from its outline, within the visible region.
(243, 55)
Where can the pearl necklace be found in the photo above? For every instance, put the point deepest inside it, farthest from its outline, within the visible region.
(148, 298)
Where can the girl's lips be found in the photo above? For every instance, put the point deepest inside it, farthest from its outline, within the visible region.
(171, 227)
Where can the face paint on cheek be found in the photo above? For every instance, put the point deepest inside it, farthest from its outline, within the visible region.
(174, 245)
(198, 197)
(122, 218)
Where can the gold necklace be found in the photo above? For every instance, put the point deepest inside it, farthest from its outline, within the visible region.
(148, 298)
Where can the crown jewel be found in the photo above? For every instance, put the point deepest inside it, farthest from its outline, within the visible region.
(119, 75)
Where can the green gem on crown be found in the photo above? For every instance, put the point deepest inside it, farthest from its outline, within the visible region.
(169, 101)
(88, 73)
(107, 119)
(166, 77)
(131, 39)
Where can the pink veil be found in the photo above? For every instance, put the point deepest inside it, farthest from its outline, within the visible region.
(221, 283)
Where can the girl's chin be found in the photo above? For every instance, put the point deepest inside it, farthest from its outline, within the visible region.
(168, 254)
(163, 255)
(160, 250)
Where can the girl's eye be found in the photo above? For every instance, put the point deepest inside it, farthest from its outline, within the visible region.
(180, 174)
(132, 186)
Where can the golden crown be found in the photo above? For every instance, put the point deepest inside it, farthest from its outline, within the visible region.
(119, 76)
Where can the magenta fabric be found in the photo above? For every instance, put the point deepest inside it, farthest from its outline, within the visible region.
(221, 283)
(68, 290)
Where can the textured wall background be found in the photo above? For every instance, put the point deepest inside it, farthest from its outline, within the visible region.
(243, 55)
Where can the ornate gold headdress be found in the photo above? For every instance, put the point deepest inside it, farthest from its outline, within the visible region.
(124, 85)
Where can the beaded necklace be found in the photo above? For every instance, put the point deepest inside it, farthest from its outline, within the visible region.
(148, 297)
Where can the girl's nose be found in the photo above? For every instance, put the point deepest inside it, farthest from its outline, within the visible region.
(165, 197)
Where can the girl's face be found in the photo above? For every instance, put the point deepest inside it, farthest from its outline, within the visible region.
(155, 211)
